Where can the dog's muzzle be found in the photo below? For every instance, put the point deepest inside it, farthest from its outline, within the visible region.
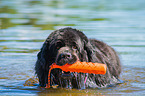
(65, 55)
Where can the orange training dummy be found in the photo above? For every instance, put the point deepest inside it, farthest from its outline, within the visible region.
(84, 67)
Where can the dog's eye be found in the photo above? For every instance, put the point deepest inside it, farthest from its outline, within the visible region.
(57, 47)
(74, 47)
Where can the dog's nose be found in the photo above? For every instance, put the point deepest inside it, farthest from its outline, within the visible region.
(65, 55)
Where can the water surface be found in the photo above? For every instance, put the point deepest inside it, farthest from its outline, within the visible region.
(25, 24)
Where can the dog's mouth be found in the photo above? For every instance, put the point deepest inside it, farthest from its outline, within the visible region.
(66, 79)
(66, 75)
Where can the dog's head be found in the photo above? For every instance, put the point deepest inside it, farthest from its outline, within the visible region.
(67, 46)
(63, 46)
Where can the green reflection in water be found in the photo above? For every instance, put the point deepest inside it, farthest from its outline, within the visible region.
(5, 20)
(6, 49)
(6, 9)
(14, 17)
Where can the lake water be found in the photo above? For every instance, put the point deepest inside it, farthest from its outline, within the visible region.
(25, 24)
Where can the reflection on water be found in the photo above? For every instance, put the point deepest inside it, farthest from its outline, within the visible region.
(25, 24)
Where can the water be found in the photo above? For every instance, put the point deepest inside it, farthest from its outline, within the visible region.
(25, 24)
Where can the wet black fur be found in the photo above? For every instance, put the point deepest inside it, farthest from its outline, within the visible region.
(88, 50)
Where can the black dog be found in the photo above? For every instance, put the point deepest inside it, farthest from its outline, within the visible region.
(68, 46)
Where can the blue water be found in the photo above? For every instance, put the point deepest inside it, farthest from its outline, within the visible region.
(25, 24)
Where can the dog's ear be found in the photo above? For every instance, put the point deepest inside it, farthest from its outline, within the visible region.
(42, 64)
(93, 55)
(89, 49)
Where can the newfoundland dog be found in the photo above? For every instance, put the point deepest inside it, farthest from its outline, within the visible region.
(69, 45)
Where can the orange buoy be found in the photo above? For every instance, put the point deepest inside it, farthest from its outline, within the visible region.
(83, 67)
